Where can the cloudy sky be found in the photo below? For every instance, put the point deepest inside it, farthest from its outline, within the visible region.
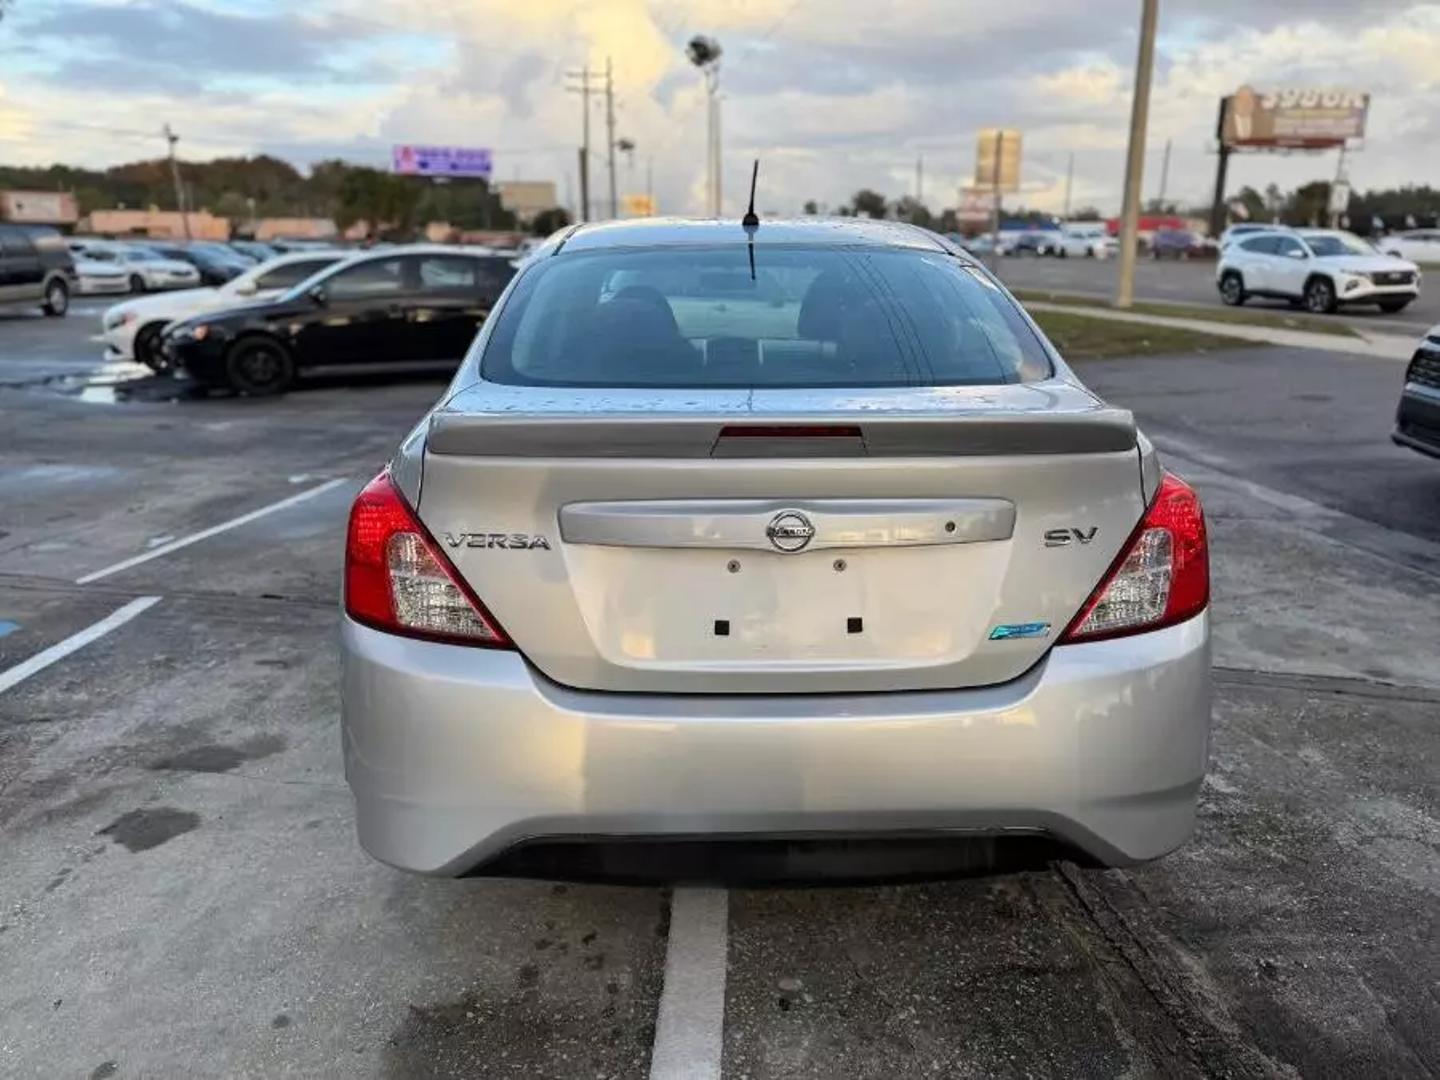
(832, 95)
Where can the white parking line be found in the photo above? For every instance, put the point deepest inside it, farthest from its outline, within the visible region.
(690, 1029)
(41, 660)
(214, 530)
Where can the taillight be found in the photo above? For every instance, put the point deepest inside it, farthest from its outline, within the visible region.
(397, 579)
(1161, 577)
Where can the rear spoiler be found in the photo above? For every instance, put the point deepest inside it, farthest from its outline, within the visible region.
(1089, 431)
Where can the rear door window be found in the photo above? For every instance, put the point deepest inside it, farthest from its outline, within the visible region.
(282, 277)
(14, 242)
(1260, 245)
(800, 317)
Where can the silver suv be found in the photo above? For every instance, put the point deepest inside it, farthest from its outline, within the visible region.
(802, 530)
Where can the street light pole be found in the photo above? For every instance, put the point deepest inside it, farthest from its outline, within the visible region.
(1135, 158)
(171, 138)
(704, 53)
(610, 134)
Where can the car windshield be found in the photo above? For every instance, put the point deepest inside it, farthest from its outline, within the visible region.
(803, 317)
(1338, 244)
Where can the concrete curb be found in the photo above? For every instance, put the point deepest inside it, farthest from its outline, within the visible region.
(1386, 347)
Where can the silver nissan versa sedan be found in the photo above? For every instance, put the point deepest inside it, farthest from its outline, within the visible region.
(797, 533)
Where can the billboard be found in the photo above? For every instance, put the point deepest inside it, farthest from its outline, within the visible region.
(1293, 119)
(526, 198)
(39, 207)
(459, 161)
(977, 205)
(997, 159)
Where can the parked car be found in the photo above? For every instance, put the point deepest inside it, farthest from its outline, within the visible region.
(1244, 228)
(685, 564)
(146, 270)
(132, 329)
(214, 267)
(1319, 268)
(253, 249)
(36, 270)
(1417, 419)
(987, 243)
(1037, 242)
(100, 273)
(1087, 239)
(401, 308)
(1175, 244)
(1417, 245)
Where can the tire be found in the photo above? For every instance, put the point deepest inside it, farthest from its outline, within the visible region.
(1391, 307)
(137, 283)
(1063, 253)
(259, 367)
(57, 299)
(147, 348)
(1319, 296)
(1232, 288)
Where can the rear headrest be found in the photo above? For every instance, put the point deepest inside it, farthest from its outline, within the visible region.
(822, 312)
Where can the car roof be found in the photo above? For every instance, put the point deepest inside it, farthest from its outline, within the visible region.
(816, 231)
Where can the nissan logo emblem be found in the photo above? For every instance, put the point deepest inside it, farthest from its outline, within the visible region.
(790, 531)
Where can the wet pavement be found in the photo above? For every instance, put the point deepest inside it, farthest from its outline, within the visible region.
(183, 894)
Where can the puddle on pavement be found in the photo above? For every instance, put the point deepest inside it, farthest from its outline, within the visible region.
(115, 384)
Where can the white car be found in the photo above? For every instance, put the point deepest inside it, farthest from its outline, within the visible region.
(1417, 245)
(132, 329)
(145, 270)
(1319, 268)
(1087, 239)
(100, 273)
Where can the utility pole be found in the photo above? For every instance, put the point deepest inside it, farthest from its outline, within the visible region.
(704, 52)
(1164, 175)
(995, 210)
(171, 138)
(1135, 158)
(610, 134)
(1069, 182)
(717, 199)
(650, 185)
(583, 75)
(920, 178)
(1217, 203)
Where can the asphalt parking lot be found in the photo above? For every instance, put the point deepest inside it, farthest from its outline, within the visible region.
(1193, 282)
(183, 895)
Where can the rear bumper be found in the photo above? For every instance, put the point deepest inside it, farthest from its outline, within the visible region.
(455, 754)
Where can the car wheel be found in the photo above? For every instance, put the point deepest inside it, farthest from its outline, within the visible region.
(1320, 296)
(1390, 307)
(1232, 288)
(137, 283)
(147, 348)
(57, 299)
(1063, 253)
(259, 366)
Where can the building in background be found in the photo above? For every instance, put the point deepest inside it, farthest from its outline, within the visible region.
(155, 223)
(295, 228)
(56, 208)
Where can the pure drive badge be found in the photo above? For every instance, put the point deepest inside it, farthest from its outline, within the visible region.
(509, 541)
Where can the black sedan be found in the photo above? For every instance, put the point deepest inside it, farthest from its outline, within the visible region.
(1417, 420)
(397, 309)
(216, 263)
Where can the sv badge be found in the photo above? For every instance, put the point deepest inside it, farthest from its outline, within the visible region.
(1063, 537)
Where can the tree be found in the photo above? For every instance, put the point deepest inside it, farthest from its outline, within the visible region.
(386, 204)
(911, 209)
(1087, 213)
(1253, 203)
(547, 221)
(1308, 204)
(867, 203)
(810, 207)
(949, 221)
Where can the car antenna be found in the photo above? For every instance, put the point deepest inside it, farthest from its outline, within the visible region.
(751, 221)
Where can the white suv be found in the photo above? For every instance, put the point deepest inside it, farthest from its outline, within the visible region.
(1319, 268)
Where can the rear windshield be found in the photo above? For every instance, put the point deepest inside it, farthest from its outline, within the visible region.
(804, 317)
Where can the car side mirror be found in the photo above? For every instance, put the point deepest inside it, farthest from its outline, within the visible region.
(317, 294)
(246, 288)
